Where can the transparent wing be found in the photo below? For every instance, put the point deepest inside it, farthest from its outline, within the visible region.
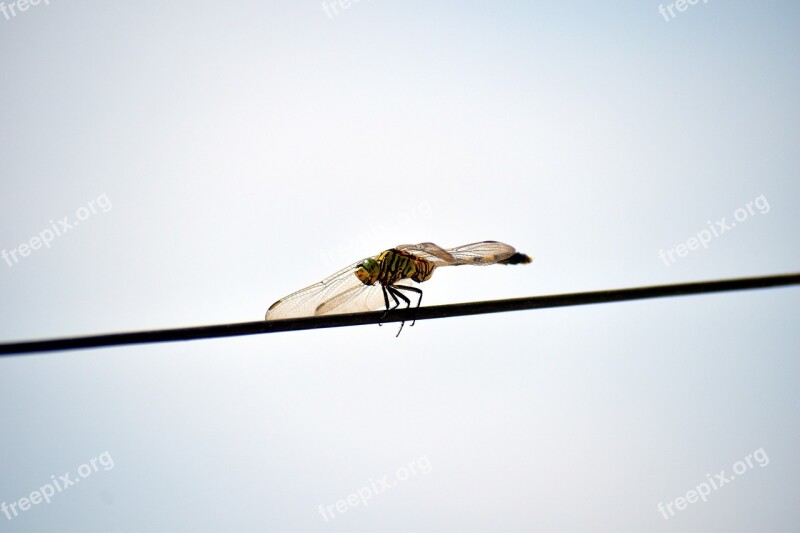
(431, 252)
(477, 253)
(358, 300)
(306, 302)
(339, 293)
(482, 253)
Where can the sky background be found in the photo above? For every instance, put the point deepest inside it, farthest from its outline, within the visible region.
(217, 156)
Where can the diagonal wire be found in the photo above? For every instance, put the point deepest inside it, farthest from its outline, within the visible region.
(423, 313)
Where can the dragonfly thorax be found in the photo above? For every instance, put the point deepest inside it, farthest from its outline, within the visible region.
(391, 266)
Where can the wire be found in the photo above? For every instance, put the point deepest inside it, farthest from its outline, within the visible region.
(423, 313)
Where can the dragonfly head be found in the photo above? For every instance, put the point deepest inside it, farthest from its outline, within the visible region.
(367, 271)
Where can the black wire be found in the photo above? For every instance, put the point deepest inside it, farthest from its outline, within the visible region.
(423, 313)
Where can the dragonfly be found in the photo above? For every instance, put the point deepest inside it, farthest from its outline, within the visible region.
(368, 285)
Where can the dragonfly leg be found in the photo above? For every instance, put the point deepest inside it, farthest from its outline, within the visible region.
(386, 291)
(386, 301)
(397, 294)
(412, 289)
(389, 307)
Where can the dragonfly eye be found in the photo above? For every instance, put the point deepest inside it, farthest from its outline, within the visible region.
(367, 271)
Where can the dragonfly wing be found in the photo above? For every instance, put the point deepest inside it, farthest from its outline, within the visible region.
(358, 299)
(305, 302)
(431, 252)
(477, 253)
(481, 253)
